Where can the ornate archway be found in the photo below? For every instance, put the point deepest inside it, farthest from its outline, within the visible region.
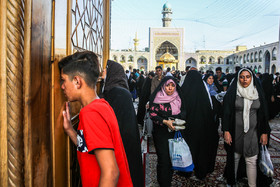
(167, 55)
(142, 63)
(267, 62)
(191, 62)
(273, 69)
(259, 68)
(167, 47)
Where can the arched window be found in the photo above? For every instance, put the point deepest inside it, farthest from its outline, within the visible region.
(233, 60)
(115, 58)
(202, 60)
(274, 53)
(227, 61)
(220, 60)
(260, 69)
(244, 58)
(252, 57)
(260, 56)
(191, 62)
(142, 62)
(273, 69)
(122, 59)
(256, 56)
(248, 57)
(130, 58)
(255, 69)
(211, 60)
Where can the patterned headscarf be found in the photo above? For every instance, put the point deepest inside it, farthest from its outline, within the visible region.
(174, 99)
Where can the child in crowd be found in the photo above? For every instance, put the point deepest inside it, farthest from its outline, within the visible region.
(100, 150)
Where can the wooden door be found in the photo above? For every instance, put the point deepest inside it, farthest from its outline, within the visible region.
(79, 30)
(34, 150)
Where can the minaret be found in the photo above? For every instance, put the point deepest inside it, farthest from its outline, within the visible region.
(166, 12)
(136, 42)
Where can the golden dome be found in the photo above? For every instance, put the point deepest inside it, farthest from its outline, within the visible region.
(167, 57)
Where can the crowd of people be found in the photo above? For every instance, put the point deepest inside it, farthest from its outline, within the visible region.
(108, 136)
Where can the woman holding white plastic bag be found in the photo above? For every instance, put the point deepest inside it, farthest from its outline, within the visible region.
(166, 104)
(245, 125)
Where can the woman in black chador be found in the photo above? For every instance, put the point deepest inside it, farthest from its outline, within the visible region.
(216, 114)
(117, 94)
(165, 102)
(245, 126)
(269, 93)
(144, 98)
(201, 132)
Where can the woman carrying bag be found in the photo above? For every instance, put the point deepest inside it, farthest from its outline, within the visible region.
(165, 104)
(245, 125)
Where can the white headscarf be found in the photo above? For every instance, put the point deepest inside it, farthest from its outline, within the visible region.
(249, 94)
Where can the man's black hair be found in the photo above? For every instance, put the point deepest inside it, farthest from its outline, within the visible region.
(159, 67)
(218, 69)
(168, 69)
(152, 74)
(84, 64)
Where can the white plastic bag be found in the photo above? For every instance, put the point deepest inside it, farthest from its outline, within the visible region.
(180, 153)
(265, 163)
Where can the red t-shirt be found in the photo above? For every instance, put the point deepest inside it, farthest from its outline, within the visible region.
(98, 129)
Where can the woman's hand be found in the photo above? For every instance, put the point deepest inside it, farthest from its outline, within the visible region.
(169, 124)
(263, 139)
(227, 137)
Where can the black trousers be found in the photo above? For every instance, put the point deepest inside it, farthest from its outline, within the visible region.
(164, 166)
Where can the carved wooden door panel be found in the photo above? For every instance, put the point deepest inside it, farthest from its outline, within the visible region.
(81, 28)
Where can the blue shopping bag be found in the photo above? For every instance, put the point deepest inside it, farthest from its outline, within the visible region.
(180, 153)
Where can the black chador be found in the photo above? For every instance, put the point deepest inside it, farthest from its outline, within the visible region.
(201, 133)
(228, 123)
(117, 95)
(143, 99)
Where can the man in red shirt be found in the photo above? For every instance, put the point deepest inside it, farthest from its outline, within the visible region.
(100, 150)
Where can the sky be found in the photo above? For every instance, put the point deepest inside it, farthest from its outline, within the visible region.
(208, 24)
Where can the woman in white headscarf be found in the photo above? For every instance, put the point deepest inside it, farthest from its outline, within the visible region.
(245, 125)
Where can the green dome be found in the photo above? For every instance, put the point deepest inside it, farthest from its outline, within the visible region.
(166, 6)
